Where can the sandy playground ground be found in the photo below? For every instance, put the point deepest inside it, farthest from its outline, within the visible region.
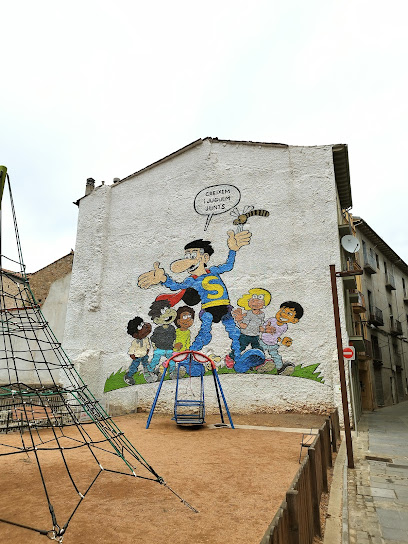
(235, 478)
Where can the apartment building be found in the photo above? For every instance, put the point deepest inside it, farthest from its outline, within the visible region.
(380, 314)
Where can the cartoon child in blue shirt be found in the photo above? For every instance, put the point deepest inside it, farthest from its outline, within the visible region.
(207, 282)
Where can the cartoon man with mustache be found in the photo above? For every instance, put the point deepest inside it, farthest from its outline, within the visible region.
(207, 282)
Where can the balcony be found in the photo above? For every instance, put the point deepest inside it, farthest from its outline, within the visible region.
(370, 265)
(344, 228)
(357, 301)
(367, 352)
(398, 362)
(395, 327)
(358, 343)
(357, 338)
(377, 357)
(349, 282)
(390, 281)
(376, 317)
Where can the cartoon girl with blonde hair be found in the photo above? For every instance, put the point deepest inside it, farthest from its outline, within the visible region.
(250, 322)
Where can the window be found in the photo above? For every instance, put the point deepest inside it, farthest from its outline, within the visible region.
(385, 267)
(377, 260)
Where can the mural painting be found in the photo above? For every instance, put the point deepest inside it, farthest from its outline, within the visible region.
(139, 348)
(256, 340)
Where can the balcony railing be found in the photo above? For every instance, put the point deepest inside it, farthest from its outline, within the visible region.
(358, 328)
(395, 327)
(376, 317)
(390, 281)
(370, 264)
(377, 356)
(367, 353)
(357, 301)
(397, 360)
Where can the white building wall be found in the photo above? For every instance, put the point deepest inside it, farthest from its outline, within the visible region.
(32, 346)
(124, 228)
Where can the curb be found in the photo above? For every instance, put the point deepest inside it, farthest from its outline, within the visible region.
(336, 531)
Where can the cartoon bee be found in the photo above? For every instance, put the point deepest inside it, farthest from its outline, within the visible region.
(248, 212)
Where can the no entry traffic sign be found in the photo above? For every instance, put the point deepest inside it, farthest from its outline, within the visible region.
(349, 353)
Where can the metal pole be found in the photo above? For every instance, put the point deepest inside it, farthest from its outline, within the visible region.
(3, 174)
(157, 394)
(349, 446)
(218, 395)
(223, 397)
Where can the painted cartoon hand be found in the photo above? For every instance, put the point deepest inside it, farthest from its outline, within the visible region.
(237, 240)
(237, 314)
(153, 277)
(269, 329)
(178, 346)
(287, 341)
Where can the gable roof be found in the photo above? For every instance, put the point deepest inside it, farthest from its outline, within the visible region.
(378, 242)
(340, 161)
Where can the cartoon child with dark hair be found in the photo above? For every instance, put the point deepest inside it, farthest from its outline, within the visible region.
(250, 322)
(184, 320)
(164, 335)
(139, 348)
(275, 327)
(215, 302)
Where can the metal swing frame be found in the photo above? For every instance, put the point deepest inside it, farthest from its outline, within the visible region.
(197, 413)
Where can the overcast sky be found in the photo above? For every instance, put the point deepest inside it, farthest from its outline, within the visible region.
(103, 88)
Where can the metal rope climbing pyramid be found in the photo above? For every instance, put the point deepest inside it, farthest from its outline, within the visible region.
(46, 409)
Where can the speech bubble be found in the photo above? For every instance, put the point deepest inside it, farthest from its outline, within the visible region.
(215, 200)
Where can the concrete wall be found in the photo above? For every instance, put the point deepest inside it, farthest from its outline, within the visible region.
(32, 346)
(54, 308)
(124, 228)
(41, 281)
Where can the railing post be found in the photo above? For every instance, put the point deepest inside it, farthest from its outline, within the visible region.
(336, 417)
(328, 444)
(333, 433)
(315, 498)
(291, 500)
(324, 460)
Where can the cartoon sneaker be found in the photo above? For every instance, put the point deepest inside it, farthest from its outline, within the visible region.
(286, 369)
(150, 377)
(128, 379)
(229, 362)
(268, 366)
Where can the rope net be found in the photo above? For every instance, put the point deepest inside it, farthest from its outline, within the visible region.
(46, 407)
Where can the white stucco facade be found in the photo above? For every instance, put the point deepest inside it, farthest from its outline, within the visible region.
(149, 217)
(30, 351)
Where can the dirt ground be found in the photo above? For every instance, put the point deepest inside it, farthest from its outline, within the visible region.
(236, 479)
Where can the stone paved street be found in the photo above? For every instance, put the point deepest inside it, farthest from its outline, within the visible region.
(377, 488)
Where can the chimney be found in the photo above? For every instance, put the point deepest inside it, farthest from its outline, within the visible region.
(115, 180)
(90, 186)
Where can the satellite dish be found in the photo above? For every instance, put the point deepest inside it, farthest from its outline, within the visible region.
(350, 243)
